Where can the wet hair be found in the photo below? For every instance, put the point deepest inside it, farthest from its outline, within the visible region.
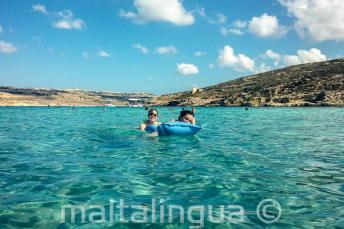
(185, 112)
(152, 110)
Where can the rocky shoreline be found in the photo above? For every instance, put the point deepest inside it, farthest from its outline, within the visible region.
(314, 84)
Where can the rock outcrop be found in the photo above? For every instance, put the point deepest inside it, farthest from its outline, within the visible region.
(314, 84)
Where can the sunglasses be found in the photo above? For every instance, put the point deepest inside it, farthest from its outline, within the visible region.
(153, 114)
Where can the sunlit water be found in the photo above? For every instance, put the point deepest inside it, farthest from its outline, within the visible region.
(51, 157)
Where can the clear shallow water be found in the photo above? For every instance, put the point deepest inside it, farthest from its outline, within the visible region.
(55, 156)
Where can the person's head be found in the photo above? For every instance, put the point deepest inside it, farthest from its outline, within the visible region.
(153, 115)
(186, 116)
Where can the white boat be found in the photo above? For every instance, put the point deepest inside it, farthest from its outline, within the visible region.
(109, 105)
(135, 105)
(133, 102)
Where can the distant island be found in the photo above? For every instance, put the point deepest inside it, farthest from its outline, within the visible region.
(314, 84)
(10, 96)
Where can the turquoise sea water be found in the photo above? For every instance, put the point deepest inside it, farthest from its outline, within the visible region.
(50, 157)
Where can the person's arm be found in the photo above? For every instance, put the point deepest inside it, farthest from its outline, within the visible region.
(143, 126)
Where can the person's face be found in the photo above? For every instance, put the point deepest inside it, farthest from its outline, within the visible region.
(153, 116)
(187, 118)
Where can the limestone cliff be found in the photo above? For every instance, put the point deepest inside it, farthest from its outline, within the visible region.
(314, 84)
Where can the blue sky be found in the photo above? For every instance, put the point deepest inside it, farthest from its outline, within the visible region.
(160, 46)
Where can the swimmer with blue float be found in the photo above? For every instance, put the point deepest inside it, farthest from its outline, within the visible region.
(184, 126)
(152, 123)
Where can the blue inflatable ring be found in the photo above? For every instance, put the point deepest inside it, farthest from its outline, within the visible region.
(177, 128)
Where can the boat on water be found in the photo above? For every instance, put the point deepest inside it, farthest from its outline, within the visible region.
(135, 105)
(135, 102)
(110, 105)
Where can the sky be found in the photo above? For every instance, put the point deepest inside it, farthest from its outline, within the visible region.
(160, 46)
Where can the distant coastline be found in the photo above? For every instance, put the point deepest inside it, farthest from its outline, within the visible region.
(11, 96)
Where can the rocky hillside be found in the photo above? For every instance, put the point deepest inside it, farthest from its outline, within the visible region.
(314, 84)
(10, 96)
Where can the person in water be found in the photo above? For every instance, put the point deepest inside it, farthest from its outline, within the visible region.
(187, 116)
(152, 120)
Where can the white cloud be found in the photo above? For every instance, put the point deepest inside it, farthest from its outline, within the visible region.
(7, 48)
(200, 53)
(312, 55)
(225, 31)
(291, 60)
(85, 55)
(187, 69)
(239, 62)
(149, 78)
(221, 19)
(142, 48)
(68, 21)
(266, 26)
(64, 19)
(67, 24)
(239, 24)
(211, 65)
(166, 50)
(263, 68)
(274, 56)
(1, 29)
(301, 57)
(318, 19)
(171, 11)
(236, 28)
(128, 14)
(103, 54)
(39, 8)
